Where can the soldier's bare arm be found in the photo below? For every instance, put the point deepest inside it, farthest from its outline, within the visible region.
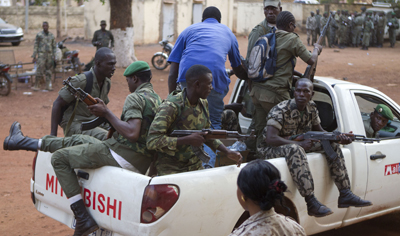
(273, 139)
(173, 76)
(129, 129)
(57, 114)
(236, 156)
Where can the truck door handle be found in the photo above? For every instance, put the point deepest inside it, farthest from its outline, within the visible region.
(377, 156)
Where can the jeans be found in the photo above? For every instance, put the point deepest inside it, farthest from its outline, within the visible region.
(215, 108)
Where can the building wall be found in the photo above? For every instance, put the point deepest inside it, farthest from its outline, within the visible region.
(15, 15)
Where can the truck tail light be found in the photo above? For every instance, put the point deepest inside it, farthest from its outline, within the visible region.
(158, 200)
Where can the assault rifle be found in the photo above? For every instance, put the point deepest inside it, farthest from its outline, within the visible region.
(211, 135)
(327, 137)
(83, 96)
(310, 70)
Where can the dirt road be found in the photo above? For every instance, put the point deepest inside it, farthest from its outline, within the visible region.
(377, 68)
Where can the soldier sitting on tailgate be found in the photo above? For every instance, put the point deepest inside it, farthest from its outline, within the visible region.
(185, 110)
(377, 120)
(296, 116)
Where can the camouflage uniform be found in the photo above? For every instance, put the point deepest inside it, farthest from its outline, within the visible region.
(393, 24)
(311, 24)
(318, 28)
(368, 27)
(358, 22)
(176, 113)
(104, 37)
(381, 29)
(290, 121)
(45, 50)
(230, 120)
(333, 27)
(83, 151)
(82, 114)
(324, 20)
(269, 223)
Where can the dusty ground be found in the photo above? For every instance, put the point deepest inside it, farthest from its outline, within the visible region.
(376, 68)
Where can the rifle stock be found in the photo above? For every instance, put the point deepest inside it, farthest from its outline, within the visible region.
(310, 70)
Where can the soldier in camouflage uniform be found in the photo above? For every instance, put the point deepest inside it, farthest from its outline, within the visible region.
(318, 28)
(126, 149)
(311, 25)
(45, 50)
(185, 110)
(324, 20)
(368, 27)
(381, 28)
(294, 117)
(68, 110)
(103, 37)
(333, 27)
(393, 25)
(358, 25)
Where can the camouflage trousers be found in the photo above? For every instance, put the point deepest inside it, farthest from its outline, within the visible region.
(230, 120)
(296, 159)
(313, 35)
(44, 67)
(366, 39)
(356, 35)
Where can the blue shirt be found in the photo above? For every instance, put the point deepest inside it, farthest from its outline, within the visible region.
(207, 43)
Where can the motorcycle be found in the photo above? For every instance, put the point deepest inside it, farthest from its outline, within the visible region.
(71, 57)
(160, 59)
(5, 80)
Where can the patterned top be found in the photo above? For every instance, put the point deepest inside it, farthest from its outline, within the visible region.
(44, 43)
(290, 121)
(269, 223)
(176, 114)
(311, 23)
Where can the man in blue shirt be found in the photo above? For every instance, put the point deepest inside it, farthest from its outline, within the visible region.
(207, 43)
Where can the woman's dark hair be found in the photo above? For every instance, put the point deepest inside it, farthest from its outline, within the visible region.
(261, 182)
(283, 20)
(144, 76)
(212, 12)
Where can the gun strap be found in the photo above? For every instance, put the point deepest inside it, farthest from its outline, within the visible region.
(89, 81)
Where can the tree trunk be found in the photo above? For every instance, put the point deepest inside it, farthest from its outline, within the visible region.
(121, 27)
(58, 26)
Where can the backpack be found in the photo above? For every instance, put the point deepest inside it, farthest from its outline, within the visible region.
(262, 59)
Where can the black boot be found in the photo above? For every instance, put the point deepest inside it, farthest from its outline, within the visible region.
(348, 198)
(315, 208)
(17, 141)
(85, 223)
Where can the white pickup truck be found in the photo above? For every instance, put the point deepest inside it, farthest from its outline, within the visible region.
(204, 202)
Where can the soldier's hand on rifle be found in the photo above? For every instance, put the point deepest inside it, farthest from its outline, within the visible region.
(344, 139)
(195, 139)
(319, 47)
(307, 143)
(236, 156)
(100, 109)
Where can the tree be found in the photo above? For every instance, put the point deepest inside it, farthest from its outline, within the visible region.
(121, 26)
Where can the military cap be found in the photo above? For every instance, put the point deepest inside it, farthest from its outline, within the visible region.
(384, 111)
(137, 66)
(274, 3)
(103, 22)
(312, 12)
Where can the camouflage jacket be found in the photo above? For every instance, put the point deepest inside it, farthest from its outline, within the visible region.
(176, 113)
(290, 121)
(44, 44)
(311, 23)
(318, 20)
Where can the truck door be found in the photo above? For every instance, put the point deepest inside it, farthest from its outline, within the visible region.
(383, 157)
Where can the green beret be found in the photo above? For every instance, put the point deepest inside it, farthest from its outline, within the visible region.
(384, 111)
(137, 66)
